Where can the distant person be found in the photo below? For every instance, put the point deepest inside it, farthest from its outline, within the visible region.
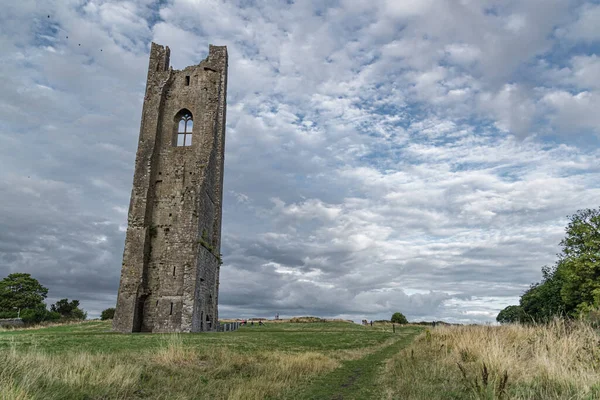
(371, 322)
(260, 323)
(251, 323)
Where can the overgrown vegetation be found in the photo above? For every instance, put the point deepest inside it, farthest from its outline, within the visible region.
(570, 288)
(558, 360)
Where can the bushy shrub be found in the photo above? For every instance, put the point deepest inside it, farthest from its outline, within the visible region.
(34, 315)
(109, 313)
(8, 314)
(52, 316)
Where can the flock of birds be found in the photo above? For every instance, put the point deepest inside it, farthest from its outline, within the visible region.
(67, 36)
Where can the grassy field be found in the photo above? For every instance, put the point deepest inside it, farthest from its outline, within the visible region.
(556, 361)
(331, 360)
(321, 360)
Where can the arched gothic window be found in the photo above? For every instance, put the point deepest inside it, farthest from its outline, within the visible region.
(184, 128)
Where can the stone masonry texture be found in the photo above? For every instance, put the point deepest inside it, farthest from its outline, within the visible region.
(171, 261)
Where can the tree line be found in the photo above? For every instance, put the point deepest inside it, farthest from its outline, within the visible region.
(571, 287)
(22, 296)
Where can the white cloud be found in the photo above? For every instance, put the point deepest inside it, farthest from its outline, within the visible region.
(512, 107)
(586, 71)
(371, 159)
(462, 53)
(585, 27)
(574, 111)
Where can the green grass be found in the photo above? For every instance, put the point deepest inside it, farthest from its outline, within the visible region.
(96, 337)
(282, 360)
(290, 361)
(355, 379)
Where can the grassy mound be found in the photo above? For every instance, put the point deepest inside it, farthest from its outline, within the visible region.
(304, 320)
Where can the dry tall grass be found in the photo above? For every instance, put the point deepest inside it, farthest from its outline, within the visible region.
(25, 375)
(556, 361)
(175, 370)
(235, 375)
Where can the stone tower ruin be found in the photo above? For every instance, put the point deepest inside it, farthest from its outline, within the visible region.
(171, 261)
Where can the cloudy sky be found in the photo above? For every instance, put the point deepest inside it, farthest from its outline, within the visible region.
(403, 155)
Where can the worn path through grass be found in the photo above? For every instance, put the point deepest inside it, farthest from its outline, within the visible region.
(355, 379)
(300, 360)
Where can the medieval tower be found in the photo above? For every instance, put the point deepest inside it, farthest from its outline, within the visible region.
(171, 262)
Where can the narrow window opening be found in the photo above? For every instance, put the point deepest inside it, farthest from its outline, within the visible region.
(185, 127)
(156, 303)
(187, 81)
(170, 214)
(171, 313)
(173, 271)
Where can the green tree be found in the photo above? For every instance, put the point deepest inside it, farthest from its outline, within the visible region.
(543, 300)
(399, 318)
(572, 286)
(68, 310)
(580, 261)
(510, 314)
(21, 291)
(109, 313)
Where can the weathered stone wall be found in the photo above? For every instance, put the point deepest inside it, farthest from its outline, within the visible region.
(169, 278)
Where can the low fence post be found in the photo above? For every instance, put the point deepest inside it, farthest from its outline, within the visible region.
(229, 326)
